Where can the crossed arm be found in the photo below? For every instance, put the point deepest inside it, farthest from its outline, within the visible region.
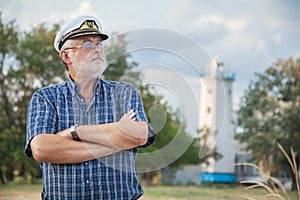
(97, 141)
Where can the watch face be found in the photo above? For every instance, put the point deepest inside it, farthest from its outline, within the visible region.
(73, 129)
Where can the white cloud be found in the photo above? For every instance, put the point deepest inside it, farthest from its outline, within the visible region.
(231, 24)
(277, 38)
(203, 20)
(235, 25)
(83, 9)
(261, 45)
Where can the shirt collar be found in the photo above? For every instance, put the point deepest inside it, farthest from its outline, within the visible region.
(73, 87)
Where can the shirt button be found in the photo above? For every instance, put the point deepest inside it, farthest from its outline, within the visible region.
(87, 181)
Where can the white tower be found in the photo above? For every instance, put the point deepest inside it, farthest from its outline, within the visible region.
(216, 128)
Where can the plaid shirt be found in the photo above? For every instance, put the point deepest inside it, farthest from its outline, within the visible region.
(56, 108)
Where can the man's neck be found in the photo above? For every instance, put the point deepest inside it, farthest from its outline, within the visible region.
(86, 89)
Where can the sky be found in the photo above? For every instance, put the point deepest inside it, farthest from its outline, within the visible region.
(248, 36)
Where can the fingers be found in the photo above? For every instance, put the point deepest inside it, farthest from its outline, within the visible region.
(130, 115)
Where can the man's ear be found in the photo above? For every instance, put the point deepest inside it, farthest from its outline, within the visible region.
(65, 58)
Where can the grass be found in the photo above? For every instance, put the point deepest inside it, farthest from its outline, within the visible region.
(20, 192)
(274, 187)
(199, 193)
(214, 192)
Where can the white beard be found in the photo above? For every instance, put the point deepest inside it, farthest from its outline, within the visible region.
(90, 69)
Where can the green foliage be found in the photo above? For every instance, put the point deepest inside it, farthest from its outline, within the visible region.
(28, 62)
(40, 64)
(269, 113)
(120, 68)
(8, 125)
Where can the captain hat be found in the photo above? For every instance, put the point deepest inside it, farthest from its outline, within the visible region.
(80, 26)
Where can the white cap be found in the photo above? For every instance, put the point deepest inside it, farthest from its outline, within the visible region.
(82, 25)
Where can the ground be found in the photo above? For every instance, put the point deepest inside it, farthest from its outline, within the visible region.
(219, 192)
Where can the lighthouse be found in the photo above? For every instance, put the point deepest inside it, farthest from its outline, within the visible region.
(215, 125)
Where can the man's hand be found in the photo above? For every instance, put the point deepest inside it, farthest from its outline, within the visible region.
(129, 126)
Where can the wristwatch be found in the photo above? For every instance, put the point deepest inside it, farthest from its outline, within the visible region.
(74, 134)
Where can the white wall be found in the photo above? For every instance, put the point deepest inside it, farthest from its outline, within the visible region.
(216, 115)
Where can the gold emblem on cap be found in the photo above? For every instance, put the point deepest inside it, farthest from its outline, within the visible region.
(89, 24)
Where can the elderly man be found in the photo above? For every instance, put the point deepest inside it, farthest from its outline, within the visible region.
(85, 132)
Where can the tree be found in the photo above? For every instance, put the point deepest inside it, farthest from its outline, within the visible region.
(173, 145)
(120, 67)
(29, 62)
(269, 114)
(9, 39)
(38, 65)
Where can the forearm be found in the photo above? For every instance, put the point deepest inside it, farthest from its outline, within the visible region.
(53, 148)
(96, 141)
(114, 136)
(124, 134)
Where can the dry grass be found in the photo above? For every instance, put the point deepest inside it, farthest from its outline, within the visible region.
(275, 189)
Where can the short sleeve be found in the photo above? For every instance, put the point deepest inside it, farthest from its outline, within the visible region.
(41, 118)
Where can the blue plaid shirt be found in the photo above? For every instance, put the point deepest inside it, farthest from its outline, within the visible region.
(56, 108)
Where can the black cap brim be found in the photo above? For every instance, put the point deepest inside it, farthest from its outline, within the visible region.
(80, 32)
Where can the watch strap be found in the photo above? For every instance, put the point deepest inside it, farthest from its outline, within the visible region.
(74, 133)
